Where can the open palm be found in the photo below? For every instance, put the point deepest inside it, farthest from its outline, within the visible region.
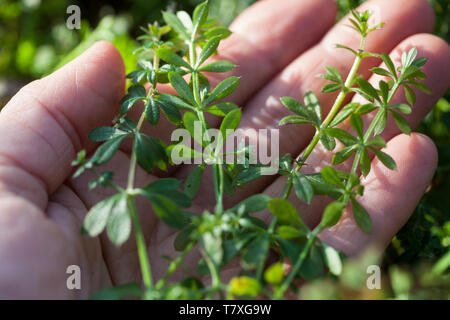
(279, 47)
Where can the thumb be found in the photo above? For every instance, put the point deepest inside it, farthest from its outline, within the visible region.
(47, 122)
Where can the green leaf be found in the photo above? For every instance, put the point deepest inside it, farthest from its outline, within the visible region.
(171, 57)
(368, 88)
(184, 237)
(169, 100)
(331, 176)
(135, 93)
(364, 162)
(296, 107)
(220, 32)
(218, 66)
(149, 152)
(97, 217)
(403, 108)
(340, 46)
(189, 120)
(327, 141)
(389, 64)
(274, 274)
(332, 259)
(313, 104)
(107, 150)
(377, 141)
(230, 122)
(180, 86)
(384, 90)
(381, 124)
(331, 87)
(343, 154)
(385, 159)
(302, 187)
(194, 181)
(285, 212)
(208, 50)
(361, 216)
(200, 15)
(213, 247)
(342, 135)
(221, 109)
(366, 108)
(289, 232)
(420, 86)
(296, 120)
(171, 112)
(345, 112)
(118, 228)
(334, 74)
(313, 267)
(410, 95)
(255, 203)
(381, 72)
(105, 133)
(256, 251)
(332, 214)
(401, 122)
(357, 125)
(173, 21)
(408, 57)
(152, 111)
(166, 209)
(223, 89)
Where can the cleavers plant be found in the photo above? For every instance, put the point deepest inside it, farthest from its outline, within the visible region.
(179, 51)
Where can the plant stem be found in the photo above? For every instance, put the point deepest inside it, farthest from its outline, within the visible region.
(298, 264)
(141, 246)
(173, 266)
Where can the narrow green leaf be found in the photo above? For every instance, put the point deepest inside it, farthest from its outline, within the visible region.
(97, 217)
(327, 141)
(218, 66)
(313, 104)
(149, 152)
(342, 155)
(230, 122)
(331, 87)
(385, 159)
(403, 108)
(223, 89)
(296, 107)
(342, 135)
(332, 214)
(331, 176)
(118, 228)
(208, 50)
(256, 251)
(302, 187)
(410, 95)
(221, 109)
(105, 133)
(364, 162)
(368, 88)
(200, 15)
(366, 108)
(389, 64)
(381, 124)
(361, 216)
(173, 21)
(332, 259)
(345, 112)
(107, 150)
(152, 111)
(168, 100)
(357, 125)
(420, 86)
(381, 72)
(289, 232)
(171, 57)
(194, 181)
(220, 32)
(296, 120)
(135, 93)
(285, 212)
(401, 122)
(180, 86)
(255, 203)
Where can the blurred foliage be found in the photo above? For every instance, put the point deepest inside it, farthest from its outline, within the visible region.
(35, 41)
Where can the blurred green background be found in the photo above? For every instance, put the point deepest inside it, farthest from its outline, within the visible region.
(34, 41)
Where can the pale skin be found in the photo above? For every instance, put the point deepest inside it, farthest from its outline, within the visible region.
(279, 47)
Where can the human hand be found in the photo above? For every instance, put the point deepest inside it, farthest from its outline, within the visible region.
(276, 47)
